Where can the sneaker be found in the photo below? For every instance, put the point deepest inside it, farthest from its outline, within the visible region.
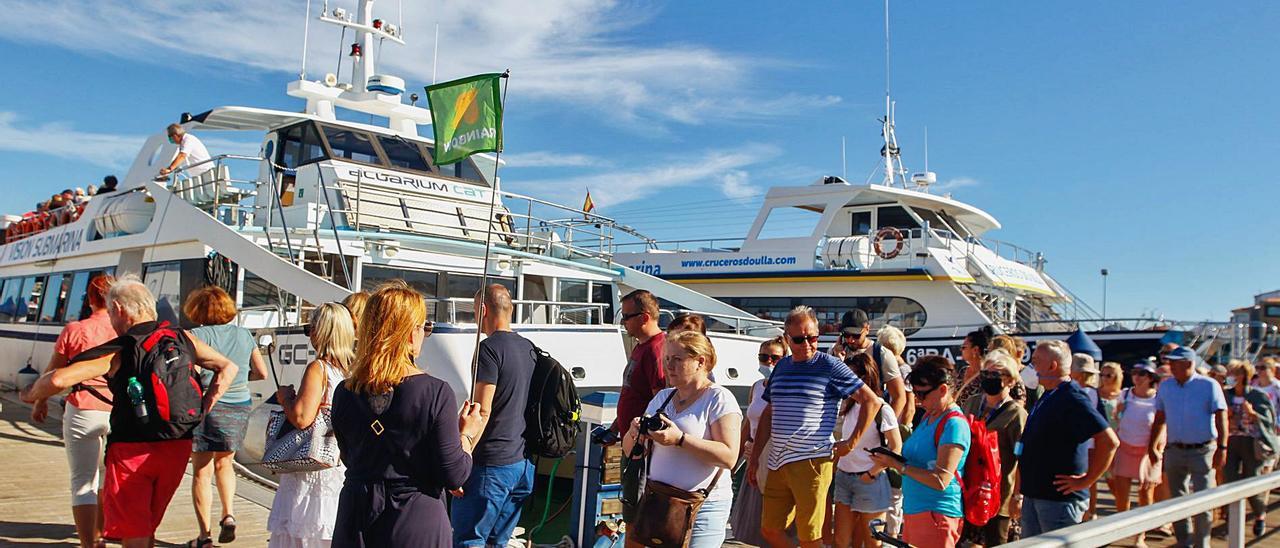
(1259, 527)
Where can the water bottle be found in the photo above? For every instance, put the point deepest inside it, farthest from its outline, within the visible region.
(139, 402)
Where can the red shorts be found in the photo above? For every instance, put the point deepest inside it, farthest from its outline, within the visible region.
(141, 478)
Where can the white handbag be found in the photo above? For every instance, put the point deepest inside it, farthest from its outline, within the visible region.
(289, 449)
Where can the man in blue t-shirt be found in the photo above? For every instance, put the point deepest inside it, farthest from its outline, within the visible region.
(501, 476)
(1055, 466)
(1193, 410)
(804, 393)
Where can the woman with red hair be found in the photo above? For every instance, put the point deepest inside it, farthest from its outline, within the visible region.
(86, 417)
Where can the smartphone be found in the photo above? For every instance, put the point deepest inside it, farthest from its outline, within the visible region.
(887, 452)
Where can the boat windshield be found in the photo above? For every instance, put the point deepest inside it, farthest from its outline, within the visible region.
(310, 142)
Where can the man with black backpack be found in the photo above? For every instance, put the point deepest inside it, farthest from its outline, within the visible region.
(150, 369)
(501, 474)
(855, 326)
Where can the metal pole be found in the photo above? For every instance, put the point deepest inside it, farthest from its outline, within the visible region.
(1104, 296)
(488, 239)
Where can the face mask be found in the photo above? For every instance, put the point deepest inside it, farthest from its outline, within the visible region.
(1230, 382)
(766, 370)
(991, 384)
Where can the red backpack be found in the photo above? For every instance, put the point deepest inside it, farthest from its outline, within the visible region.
(980, 481)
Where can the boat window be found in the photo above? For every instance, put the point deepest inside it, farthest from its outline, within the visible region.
(602, 292)
(14, 301)
(403, 153)
(1272, 311)
(258, 293)
(897, 217)
(165, 282)
(790, 222)
(55, 302)
(861, 223)
(33, 289)
(901, 312)
(575, 291)
(78, 297)
(935, 221)
(467, 171)
(300, 144)
(955, 224)
(351, 145)
(465, 286)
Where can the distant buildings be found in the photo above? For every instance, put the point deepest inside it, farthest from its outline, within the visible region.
(1262, 321)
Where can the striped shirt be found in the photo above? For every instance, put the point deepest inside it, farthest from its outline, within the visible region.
(805, 397)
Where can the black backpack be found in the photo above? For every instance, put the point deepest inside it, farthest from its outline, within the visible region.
(551, 416)
(162, 359)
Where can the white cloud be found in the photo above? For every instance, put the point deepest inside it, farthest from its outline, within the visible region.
(573, 53)
(110, 150)
(954, 183)
(613, 187)
(734, 184)
(551, 159)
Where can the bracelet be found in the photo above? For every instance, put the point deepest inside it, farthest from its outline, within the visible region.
(681, 442)
(470, 439)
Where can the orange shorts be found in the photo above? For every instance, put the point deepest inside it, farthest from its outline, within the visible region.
(931, 529)
(141, 478)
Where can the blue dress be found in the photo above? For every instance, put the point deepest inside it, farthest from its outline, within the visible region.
(395, 485)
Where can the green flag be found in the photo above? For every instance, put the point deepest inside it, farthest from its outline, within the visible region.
(466, 115)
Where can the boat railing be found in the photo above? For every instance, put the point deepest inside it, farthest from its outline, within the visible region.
(718, 322)
(1012, 252)
(1123, 525)
(462, 310)
(210, 185)
(696, 244)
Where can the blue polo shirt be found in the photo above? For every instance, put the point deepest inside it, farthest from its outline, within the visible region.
(1053, 441)
(805, 397)
(1189, 407)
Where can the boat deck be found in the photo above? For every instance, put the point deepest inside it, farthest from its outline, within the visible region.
(35, 507)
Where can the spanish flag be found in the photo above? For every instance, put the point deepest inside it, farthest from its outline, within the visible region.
(587, 205)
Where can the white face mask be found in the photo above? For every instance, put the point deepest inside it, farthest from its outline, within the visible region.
(766, 370)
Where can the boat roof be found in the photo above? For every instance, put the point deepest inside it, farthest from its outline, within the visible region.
(977, 220)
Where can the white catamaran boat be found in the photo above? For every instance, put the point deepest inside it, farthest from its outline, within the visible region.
(330, 206)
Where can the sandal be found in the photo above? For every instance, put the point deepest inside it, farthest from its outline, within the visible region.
(228, 530)
(200, 543)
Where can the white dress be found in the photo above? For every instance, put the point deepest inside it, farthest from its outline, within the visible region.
(306, 504)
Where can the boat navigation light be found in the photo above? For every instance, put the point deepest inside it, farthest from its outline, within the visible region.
(330, 79)
(355, 50)
(377, 24)
(339, 13)
(391, 29)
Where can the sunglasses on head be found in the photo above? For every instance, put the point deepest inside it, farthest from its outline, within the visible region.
(801, 339)
(771, 358)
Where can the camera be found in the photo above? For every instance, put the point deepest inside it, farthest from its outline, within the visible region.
(652, 423)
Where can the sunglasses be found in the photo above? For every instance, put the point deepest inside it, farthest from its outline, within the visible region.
(771, 358)
(626, 317)
(427, 328)
(922, 394)
(801, 339)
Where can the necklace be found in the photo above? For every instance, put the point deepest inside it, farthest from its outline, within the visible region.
(683, 402)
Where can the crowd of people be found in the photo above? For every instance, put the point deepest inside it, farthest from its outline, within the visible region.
(832, 440)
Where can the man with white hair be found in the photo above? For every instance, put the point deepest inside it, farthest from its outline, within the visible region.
(1193, 409)
(146, 454)
(1056, 467)
(191, 153)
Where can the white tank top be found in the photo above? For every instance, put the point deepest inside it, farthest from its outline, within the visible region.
(755, 408)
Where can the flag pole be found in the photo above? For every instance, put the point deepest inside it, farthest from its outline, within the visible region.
(488, 240)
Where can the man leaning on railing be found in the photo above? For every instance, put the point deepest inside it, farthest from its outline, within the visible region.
(192, 153)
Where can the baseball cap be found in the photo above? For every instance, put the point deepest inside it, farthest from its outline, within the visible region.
(1180, 353)
(851, 331)
(1144, 365)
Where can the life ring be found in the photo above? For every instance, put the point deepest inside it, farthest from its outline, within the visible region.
(888, 232)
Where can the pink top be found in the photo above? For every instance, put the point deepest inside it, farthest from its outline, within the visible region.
(77, 337)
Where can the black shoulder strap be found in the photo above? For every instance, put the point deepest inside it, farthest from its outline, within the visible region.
(1007, 404)
(648, 456)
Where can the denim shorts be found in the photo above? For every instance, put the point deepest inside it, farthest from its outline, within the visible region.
(863, 497)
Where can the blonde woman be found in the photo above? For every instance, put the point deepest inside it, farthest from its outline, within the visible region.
(1003, 415)
(355, 305)
(1110, 383)
(698, 444)
(306, 504)
(399, 432)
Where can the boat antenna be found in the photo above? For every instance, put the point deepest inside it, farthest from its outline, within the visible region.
(435, 54)
(926, 148)
(306, 32)
(844, 165)
(892, 161)
(488, 238)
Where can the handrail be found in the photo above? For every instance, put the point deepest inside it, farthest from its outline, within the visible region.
(1100, 532)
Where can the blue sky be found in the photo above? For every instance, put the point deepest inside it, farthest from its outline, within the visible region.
(1137, 136)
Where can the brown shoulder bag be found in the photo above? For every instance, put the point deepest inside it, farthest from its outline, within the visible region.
(666, 513)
